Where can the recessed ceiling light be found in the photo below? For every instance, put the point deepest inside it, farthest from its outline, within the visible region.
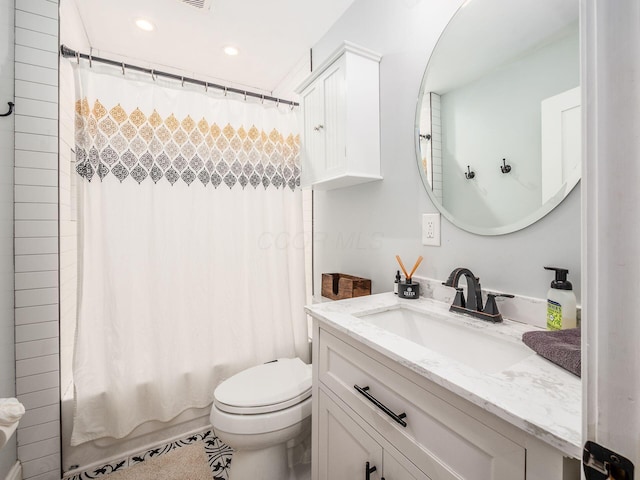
(145, 25)
(231, 51)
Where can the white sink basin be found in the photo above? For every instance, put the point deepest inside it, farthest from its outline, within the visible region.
(473, 345)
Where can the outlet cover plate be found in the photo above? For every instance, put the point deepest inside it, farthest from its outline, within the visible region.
(431, 229)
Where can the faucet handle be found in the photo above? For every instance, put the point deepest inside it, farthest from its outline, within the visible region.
(459, 300)
(491, 307)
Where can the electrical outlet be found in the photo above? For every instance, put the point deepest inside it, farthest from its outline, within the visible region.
(431, 229)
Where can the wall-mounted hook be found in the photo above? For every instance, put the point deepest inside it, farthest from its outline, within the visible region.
(504, 167)
(10, 110)
(469, 173)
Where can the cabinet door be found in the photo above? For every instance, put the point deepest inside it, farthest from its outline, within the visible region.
(399, 468)
(335, 120)
(344, 447)
(313, 143)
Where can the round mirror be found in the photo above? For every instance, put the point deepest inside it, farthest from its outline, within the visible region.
(498, 117)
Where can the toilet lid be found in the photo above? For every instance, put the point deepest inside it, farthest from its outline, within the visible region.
(265, 388)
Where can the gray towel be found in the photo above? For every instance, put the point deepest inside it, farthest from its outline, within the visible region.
(561, 347)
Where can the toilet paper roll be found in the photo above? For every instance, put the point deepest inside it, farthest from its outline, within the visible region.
(5, 433)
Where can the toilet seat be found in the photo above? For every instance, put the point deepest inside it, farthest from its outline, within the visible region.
(266, 388)
(264, 423)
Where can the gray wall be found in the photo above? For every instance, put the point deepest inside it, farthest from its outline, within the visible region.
(7, 358)
(359, 230)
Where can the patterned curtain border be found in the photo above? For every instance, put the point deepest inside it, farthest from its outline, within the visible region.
(138, 146)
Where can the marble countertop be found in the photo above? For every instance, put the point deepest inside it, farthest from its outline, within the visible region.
(533, 394)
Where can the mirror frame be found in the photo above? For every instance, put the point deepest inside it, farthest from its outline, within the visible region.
(520, 224)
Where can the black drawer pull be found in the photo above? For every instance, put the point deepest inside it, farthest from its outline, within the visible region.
(381, 406)
(368, 471)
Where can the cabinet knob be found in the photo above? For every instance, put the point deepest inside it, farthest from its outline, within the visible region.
(317, 128)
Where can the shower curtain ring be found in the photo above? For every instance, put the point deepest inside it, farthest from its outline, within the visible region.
(225, 91)
(78, 57)
(122, 68)
(245, 96)
(262, 101)
(277, 102)
(90, 61)
(153, 77)
(206, 87)
(182, 82)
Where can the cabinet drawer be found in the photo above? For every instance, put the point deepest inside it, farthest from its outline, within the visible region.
(441, 440)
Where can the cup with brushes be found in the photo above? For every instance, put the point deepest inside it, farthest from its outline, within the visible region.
(409, 289)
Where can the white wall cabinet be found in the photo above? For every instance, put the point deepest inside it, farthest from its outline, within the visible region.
(410, 428)
(341, 112)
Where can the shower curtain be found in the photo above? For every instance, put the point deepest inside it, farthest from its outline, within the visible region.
(191, 263)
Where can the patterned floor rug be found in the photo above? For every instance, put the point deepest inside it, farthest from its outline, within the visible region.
(217, 458)
(186, 463)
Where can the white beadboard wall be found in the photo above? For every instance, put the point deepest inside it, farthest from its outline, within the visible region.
(36, 237)
(8, 454)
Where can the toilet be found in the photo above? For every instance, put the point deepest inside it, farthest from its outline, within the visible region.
(262, 413)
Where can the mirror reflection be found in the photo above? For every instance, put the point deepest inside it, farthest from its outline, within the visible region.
(498, 124)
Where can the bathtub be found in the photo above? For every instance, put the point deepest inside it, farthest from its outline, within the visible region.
(97, 453)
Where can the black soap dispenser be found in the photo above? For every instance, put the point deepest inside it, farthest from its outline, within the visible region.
(561, 302)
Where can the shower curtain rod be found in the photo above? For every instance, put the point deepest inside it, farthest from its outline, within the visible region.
(67, 53)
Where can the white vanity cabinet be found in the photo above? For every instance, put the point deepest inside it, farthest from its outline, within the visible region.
(367, 408)
(341, 112)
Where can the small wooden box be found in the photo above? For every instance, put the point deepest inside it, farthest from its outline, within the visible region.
(338, 286)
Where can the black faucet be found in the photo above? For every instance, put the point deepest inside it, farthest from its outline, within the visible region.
(473, 304)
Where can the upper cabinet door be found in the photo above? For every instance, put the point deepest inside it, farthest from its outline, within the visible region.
(314, 133)
(335, 120)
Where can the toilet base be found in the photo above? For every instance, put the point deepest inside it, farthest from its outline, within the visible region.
(267, 456)
(264, 464)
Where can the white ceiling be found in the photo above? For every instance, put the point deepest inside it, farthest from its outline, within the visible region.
(272, 36)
